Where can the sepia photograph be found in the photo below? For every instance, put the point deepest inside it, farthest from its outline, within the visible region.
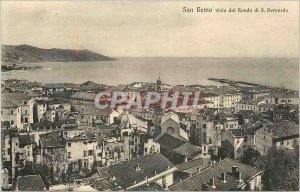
(149, 95)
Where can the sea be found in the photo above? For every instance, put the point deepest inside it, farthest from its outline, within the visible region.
(173, 71)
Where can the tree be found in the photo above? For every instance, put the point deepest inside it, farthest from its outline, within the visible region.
(250, 156)
(281, 170)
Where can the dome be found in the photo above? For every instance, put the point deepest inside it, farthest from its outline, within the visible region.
(122, 119)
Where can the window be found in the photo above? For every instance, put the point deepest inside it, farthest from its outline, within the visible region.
(209, 141)
(11, 112)
(1, 112)
(69, 144)
(26, 120)
(84, 153)
(25, 102)
(135, 149)
(146, 149)
(69, 155)
(11, 122)
(135, 140)
(204, 118)
(90, 152)
(204, 126)
(25, 111)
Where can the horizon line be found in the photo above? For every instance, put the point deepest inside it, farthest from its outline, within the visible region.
(160, 56)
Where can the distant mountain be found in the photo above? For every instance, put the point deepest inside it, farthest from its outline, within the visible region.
(30, 54)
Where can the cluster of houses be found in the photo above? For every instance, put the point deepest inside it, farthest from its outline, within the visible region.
(88, 149)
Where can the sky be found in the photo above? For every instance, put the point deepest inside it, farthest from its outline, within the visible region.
(150, 29)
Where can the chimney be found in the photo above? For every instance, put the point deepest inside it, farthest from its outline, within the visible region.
(154, 172)
(190, 174)
(185, 159)
(137, 167)
(234, 170)
(210, 164)
(239, 174)
(198, 169)
(223, 177)
(212, 183)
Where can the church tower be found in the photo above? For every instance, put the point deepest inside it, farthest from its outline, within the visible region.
(159, 85)
(158, 112)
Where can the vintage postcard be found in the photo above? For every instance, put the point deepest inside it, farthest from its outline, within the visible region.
(149, 95)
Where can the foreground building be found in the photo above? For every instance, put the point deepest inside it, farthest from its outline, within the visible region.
(226, 175)
(153, 168)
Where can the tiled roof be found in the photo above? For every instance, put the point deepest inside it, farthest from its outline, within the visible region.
(47, 125)
(126, 174)
(6, 103)
(16, 96)
(52, 139)
(283, 129)
(84, 95)
(191, 166)
(92, 110)
(170, 115)
(30, 183)
(170, 142)
(188, 150)
(196, 182)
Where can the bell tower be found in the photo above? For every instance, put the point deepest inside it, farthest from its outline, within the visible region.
(158, 112)
(159, 84)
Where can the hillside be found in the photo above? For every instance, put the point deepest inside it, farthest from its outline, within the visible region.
(30, 54)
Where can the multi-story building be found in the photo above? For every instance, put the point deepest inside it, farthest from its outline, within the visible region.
(51, 152)
(10, 153)
(282, 134)
(10, 113)
(81, 152)
(21, 100)
(234, 142)
(90, 115)
(279, 98)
